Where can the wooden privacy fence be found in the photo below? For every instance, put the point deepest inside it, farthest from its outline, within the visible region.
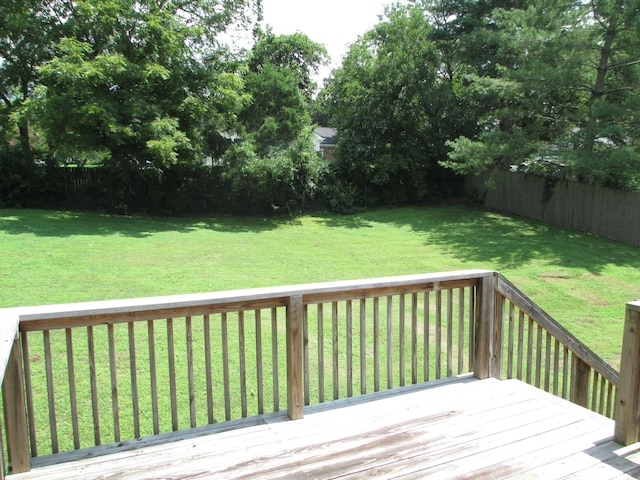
(606, 212)
(81, 376)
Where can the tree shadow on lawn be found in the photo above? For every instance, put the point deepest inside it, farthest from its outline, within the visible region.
(62, 224)
(490, 240)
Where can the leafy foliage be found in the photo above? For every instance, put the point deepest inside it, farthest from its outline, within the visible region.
(284, 182)
(394, 111)
(558, 89)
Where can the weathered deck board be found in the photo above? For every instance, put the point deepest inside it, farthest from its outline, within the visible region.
(464, 428)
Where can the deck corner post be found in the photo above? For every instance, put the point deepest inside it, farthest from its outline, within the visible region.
(295, 350)
(485, 329)
(627, 407)
(16, 413)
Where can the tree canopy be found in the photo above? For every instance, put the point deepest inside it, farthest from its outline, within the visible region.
(151, 91)
(539, 85)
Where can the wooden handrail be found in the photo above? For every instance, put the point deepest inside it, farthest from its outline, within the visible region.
(138, 309)
(480, 331)
(509, 290)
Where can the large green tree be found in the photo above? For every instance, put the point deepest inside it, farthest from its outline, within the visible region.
(394, 108)
(143, 82)
(29, 30)
(275, 167)
(279, 83)
(558, 92)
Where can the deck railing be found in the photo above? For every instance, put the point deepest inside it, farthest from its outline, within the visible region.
(107, 373)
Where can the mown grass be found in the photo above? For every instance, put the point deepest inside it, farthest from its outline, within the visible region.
(59, 257)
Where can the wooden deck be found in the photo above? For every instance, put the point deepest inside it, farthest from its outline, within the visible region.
(460, 428)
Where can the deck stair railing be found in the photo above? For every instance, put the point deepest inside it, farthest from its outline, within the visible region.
(85, 379)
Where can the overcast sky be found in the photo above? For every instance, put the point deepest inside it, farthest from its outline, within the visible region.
(333, 23)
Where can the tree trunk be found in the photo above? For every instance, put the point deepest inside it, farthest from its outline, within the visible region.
(24, 127)
(598, 89)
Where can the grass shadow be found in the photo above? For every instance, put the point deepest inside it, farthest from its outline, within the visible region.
(498, 241)
(61, 224)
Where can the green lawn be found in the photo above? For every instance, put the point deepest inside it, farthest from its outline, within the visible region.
(59, 257)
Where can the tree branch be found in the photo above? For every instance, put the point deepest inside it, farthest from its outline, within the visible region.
(6, 100)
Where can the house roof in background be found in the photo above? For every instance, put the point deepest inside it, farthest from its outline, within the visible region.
(328, 135)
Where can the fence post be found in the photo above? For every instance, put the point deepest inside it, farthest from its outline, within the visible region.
(485, 329)
(580, 375)
(16, 413)
(627, 427)
(295, 365)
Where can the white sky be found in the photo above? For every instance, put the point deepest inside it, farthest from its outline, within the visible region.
(334, 23)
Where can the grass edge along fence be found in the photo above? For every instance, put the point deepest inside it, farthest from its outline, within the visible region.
(601, 211)
(99, 376)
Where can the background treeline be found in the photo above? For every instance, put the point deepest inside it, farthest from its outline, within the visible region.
(153, 95)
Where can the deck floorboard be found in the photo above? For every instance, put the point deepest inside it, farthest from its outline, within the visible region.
(464, 428)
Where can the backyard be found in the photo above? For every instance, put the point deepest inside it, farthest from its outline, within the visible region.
(60, 257)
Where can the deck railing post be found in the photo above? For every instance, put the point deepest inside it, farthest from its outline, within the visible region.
(295, 365)
(627, 409)
(580, 376)
(487, 350)
(16, 413)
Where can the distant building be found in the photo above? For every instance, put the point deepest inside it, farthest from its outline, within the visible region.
(324, 139)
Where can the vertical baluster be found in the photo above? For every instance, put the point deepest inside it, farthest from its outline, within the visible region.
(461, 330)
(335, 334)
(190, 373)
(115, 409)
(26, 362)
(305, 354)
(363, 347)
(401, 339)
(133, 369)
(438, 334)
(594, 391)
(556, 366)
(349, 353)
(243, 365)
(53, 423)
(389, 341)
(565, 373)
(259, 369)
(376, 344)
(414, 338)
(538, 356)
(449, 332)
(71, 374)
(426, 334)
(225, 366)
(274, 359)
(472, 326)
(520, 343)
(320, 314)
(529, 351)
(547, 371)
(172, 375)
(511, 340)
(153, 377)
(94, 386)
(208, 367)
(601, 403)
